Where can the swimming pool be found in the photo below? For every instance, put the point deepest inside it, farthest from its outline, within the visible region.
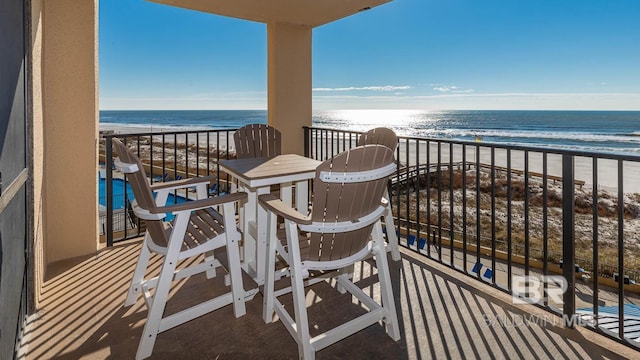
(119, 194)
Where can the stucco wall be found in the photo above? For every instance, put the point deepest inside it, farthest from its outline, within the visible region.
(34, 86)
(69, 128)
(289, 82)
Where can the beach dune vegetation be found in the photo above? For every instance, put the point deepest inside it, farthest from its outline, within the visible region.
(428, 201)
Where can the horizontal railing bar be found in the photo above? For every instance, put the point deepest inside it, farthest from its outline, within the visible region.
(537, 149)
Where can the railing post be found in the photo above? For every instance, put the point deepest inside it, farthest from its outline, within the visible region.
(108, 167)
(307, 140)
(568, 238)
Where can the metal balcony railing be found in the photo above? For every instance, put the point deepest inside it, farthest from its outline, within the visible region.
(512, 216)
(166, 156)
(501, 214)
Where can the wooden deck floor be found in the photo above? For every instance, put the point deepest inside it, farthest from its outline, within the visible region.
(442, 315)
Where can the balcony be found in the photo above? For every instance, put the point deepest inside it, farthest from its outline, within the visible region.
(442, 315)
(454, 286)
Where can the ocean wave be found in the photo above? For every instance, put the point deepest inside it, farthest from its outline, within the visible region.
(572, 136)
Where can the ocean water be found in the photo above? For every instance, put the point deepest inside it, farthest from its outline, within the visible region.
(602, 131)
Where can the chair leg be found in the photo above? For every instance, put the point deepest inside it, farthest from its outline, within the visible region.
(235, 272)
(348, 275)
(138, 275)
(305, 350)
(154, 316)
(233, 254)
(159, 300)
(392, 237)
(210, 257)
(270, 265)
(386, 290)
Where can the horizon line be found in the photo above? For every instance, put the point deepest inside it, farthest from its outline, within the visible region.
(369, 109)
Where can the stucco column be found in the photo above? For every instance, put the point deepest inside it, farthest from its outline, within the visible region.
(70, 128)
(289, 82)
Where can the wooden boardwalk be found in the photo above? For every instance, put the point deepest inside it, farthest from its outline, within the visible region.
(410, 173)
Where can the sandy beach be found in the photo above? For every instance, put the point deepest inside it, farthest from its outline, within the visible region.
(220, 138)
(607, 177)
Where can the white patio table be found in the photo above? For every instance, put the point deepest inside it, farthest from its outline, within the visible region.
(256, 176)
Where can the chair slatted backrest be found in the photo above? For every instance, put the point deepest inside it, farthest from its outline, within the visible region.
(335, 202)
(142, 192)
(257, 140)
(381, 136)
(385, 137)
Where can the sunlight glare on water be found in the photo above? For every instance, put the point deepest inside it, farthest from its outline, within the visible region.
(402, 121)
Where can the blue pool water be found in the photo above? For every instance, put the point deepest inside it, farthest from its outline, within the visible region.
(119, 194)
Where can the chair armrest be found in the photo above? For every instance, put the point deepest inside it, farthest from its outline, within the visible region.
(179, 184)
(201, 204)
(275, 205)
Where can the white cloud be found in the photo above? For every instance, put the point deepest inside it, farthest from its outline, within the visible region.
(367, 88)
(442, 88)
(452, 89)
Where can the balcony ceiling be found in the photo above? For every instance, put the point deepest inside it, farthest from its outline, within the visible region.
(298, 12)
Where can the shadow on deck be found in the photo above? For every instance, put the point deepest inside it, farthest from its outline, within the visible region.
(442, 315)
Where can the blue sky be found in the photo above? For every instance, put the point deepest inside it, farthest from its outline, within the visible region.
(407, 54)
